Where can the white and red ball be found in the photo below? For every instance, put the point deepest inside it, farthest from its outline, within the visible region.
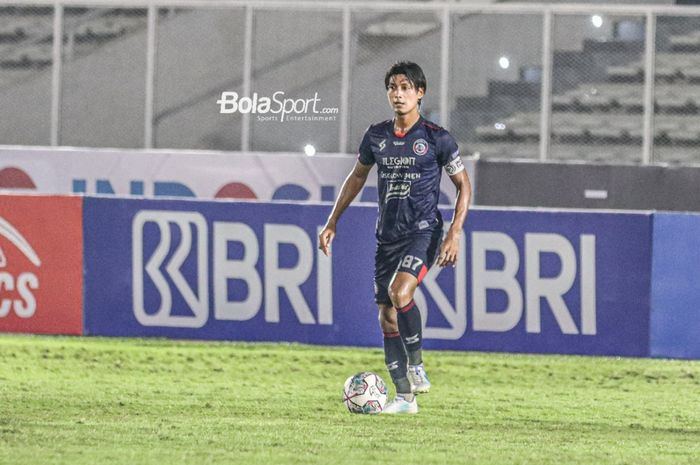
(365, 392)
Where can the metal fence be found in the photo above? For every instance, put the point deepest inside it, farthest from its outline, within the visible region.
(539, 81)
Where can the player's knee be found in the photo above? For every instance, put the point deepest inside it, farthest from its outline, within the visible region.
(400, 295)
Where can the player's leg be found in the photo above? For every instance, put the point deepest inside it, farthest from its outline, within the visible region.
(401, 291)
(413, 267)
(394, 351)
(396, 362)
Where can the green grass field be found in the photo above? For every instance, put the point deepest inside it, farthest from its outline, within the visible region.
(134, 401)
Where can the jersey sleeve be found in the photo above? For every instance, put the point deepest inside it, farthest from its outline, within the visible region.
(365, 155)
(448, 154)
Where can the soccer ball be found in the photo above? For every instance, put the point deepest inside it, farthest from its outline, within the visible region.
(365, 393)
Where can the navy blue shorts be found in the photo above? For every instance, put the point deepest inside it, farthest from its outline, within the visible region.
(413, 254)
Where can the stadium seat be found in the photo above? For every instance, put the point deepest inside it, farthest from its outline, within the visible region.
(691, 73)
(672, 102)
(487, 133)
(684, 136)
(606, 133)
(27, 56)
(107, 27)
(564, 100)
(667, 73)
(400, 28)
(597, 101)
(627, 73)
(663, 125)
(527, 132)
(10, 29)
(625, 123)
(633, 103)
(685, 42)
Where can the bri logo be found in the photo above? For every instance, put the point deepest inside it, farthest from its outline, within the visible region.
(529, 292)
(195, 296)
(171, 259)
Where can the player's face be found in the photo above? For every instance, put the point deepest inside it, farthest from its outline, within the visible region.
(403, 96)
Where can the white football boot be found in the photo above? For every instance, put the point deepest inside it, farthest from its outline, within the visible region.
(420, 384)
(400, 405)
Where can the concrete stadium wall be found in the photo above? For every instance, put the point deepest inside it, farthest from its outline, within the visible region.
(579, 185)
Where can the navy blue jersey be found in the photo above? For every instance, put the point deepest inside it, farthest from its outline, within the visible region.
(409, 168)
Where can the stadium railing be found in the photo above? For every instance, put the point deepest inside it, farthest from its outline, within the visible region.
(541, 81)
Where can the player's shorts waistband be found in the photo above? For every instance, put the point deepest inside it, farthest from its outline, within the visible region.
(428, 230)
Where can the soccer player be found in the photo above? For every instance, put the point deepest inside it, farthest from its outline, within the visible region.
(410, 153)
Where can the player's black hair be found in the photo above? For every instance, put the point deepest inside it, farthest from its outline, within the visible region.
(413, 73)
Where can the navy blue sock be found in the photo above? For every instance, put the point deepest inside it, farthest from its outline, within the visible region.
(396, 362)
(411, 330)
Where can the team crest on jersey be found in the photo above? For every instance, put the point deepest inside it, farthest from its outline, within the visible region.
(420, 147)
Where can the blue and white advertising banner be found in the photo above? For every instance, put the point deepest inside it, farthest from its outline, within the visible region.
(206, 175)
(220, 270)
(675, 314)
(545, 281)
(526, 281)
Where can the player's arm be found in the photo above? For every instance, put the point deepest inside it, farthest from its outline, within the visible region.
(351, 187)
(450, 246)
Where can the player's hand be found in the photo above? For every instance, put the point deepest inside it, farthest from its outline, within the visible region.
(325, 239)
(449, 250)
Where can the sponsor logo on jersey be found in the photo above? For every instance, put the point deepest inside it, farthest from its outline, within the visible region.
(382, 145)
(398, 162)
(398, 190)
(420, 147)
(398, 143)
(393, 175)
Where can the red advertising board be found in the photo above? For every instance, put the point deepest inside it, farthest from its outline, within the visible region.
(41, 264)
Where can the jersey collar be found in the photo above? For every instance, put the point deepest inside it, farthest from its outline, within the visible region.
(410, 130)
